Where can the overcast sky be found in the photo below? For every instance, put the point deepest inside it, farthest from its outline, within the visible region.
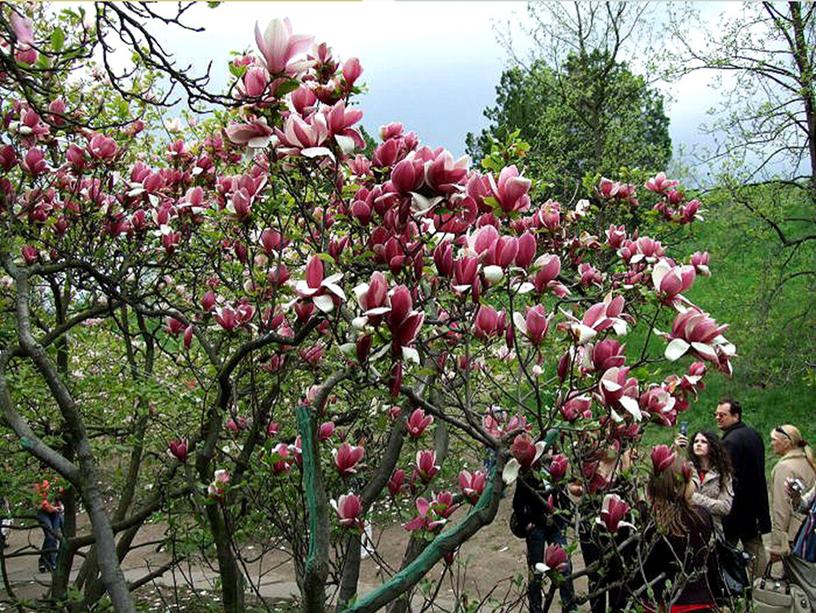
(432, 65)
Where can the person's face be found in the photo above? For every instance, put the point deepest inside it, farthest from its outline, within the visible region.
(780, 444)
(724, 417)
(700, 446)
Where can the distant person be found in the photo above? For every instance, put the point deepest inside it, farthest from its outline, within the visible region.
(543, 526)
(796, 468)
(679, 539)
(749, 518)
(50, 517)
(800, 566)
(712, 476)
(5, 522)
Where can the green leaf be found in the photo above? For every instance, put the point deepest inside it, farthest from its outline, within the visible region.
(57, 39)
(237, 71)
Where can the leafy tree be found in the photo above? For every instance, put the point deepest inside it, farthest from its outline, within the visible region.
(764, 156)
(582, 112)
(257, 320)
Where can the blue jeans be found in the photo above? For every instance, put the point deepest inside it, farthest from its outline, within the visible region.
(537, 540)
(51, 524)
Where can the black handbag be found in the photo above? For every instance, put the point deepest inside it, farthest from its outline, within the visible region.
(732, 565)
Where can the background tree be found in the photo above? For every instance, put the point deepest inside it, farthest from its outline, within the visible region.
(763, 165)
(576, 102)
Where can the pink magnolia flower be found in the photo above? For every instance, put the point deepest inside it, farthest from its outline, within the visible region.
(325, 431)
(430, 516)
(102, 147)
(555, 559)
(558, 467)
(700, 262)
(255, 81)
(489, 323)
(599, 317)
(607, 188)
(34, 162)
(339, 120)
(179, 449)
(23, 29)
(660, 184)
(511, 190)
(349, 509)
(604, 355)
(372, 297)
(526, 250)
(535, 325)
(282, 459)
(472, 484)
(617, 389)
(255, 133)
(346, 458)
(524, 451)
(174, 326)
(418, 422)
(658, 401)
(670, 280)
(577, 407)
(321, 291)
(30, 254)
(218, 487)
(404, 323)
(465, 274)
(279, 46)
(304, 136)
(426, 465)
(695, 332)
(615, 236)
(443, 259)
(444, 175)
(396, 484)
(352, 71)
(643, 249)
(613, 510)
(546, 277)
(662, 458)
(590, 275)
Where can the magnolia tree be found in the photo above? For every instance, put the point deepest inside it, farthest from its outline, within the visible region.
(312, 334)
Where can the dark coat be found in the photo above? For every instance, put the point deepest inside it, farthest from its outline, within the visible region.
(529, 502)
(681, 556)
(749, 516)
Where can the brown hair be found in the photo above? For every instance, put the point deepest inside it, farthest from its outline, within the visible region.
(667, 491)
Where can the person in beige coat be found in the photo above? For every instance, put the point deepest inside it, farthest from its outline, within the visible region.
(713, 474)
(796, 462)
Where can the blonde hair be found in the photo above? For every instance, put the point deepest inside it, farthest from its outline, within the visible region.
(797, 441)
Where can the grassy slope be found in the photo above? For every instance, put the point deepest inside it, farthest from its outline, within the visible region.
(773, 338)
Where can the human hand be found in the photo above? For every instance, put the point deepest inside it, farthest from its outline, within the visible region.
(793, 491)
(774, 557)
(681, 441)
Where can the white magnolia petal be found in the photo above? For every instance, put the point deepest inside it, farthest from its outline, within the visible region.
(619, 326)
(333, 278)
(609, 384)
(336, 290)
(346, 143)
(615, 416)
(524, 288)
(493, 274)
(632, 406)
(314, 152)
(324, 303)
(520, 322)
(511, 471)
(676, 349)
(259, 142)
(410, 354)
(541, 447)
(707, 351)
(584, 333)
(359, 322)
(542, 568)
(378, 311)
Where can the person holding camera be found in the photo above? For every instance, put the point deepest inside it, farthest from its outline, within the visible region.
(713, 474)
(795, 470)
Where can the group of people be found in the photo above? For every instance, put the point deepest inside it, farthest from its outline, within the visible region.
(703, 490)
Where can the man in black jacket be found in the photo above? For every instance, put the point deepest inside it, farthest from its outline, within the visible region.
(749, 518)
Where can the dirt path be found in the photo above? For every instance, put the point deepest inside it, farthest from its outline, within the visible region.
(488, 563)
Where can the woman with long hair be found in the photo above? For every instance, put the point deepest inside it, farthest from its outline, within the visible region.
(796, 465)
(678, 540)
(712, 476)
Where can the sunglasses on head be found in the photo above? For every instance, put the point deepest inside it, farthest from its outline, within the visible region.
(783, 433)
